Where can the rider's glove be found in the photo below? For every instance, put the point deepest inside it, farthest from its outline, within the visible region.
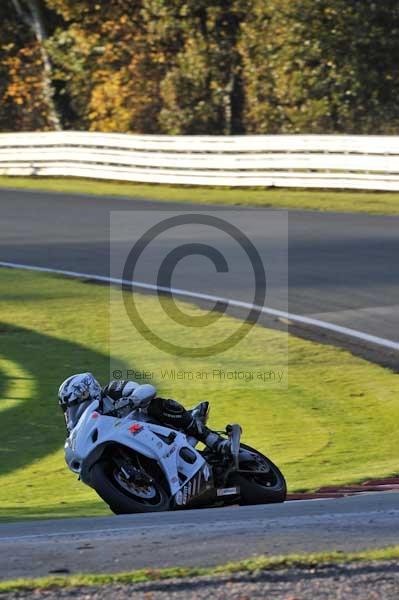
(128, 395)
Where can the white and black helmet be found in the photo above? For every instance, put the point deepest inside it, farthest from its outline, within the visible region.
(75, 395)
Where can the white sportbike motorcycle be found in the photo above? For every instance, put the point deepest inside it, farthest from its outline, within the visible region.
(136, 465)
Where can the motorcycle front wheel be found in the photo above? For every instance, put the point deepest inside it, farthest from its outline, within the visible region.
(124, 497)
(265, 486)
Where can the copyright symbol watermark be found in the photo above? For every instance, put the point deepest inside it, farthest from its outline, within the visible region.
(234, 242)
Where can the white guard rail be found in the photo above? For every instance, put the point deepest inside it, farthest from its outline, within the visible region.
(309, 161)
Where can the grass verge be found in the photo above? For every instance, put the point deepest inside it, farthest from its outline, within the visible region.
(334, 423)
(322, 200)
(252, 565)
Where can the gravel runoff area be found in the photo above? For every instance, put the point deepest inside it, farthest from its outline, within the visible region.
(373, 580)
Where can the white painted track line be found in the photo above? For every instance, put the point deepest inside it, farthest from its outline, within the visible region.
(346, 331)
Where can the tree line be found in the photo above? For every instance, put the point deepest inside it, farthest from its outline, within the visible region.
(200, 66)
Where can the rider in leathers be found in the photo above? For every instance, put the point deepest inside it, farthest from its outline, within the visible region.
(119, 397)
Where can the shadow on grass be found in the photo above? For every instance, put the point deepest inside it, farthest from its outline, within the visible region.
(33, 426)
(63, 510)
(3, 387)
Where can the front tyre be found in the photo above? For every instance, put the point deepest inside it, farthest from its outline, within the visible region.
(265, 487)
(125, 498)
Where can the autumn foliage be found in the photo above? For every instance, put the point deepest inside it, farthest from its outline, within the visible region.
(200, 67)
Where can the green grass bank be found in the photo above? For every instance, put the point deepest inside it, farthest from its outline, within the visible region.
(336, 421)
(252, 565)
(321, 200)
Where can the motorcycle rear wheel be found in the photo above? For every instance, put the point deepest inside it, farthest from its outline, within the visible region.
(107, 483)
(266, 488)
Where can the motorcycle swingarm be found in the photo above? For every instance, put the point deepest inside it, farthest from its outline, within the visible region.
(250, 471)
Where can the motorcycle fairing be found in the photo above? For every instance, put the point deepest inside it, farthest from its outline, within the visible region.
(94, 432)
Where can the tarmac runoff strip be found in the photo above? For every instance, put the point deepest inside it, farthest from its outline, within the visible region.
(294, 515)
(282, 315)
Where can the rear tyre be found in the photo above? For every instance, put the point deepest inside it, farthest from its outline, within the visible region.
(264, 488)
(122, 499)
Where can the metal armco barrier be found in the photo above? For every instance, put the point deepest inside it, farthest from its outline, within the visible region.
(307, 161)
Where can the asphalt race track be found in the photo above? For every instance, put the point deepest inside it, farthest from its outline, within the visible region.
(343, 268)
(198, 537)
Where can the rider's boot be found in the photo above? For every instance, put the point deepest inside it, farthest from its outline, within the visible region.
(212, 440)
(192, 422)
(200, 412)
